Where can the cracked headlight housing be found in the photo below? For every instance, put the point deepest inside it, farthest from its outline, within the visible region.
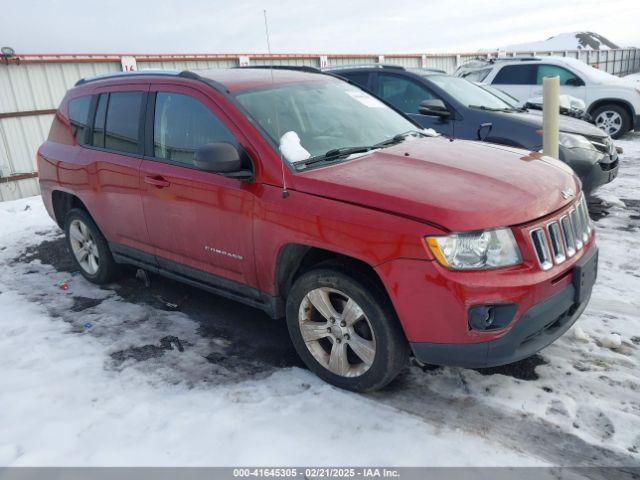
(572, 140)
(480, 250)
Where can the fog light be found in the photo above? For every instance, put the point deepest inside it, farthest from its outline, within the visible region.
(491, 316)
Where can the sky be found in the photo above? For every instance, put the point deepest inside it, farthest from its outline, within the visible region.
(304, 26)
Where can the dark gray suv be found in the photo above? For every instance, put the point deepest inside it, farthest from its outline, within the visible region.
(458, 108)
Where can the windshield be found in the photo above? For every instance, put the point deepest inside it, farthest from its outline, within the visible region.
(326, 115)
(468, 93)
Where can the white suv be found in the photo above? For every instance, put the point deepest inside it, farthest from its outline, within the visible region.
(613, 103)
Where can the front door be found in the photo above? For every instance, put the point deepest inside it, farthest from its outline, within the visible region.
(199, 223)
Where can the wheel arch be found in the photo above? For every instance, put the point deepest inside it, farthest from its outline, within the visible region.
(614, 101)
(295, 259)
(62, 202)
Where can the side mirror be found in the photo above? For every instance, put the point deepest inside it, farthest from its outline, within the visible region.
(574, 82)
(434, 106)
(221, 158)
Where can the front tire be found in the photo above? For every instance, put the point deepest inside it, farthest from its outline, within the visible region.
(345, 330)
(89, 248)
(612, 119)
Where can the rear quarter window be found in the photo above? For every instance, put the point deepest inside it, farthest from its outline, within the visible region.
(476, 75)
(79, 117)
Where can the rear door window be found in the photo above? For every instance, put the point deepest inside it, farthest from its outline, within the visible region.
(123, 122)
(79, 117)
(516, 75)
(181, 125)
(98, 124)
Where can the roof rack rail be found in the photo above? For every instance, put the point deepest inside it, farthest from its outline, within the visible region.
(138, 73)
(382, 66)
(299, 68)
(515, 59)
(426, 69)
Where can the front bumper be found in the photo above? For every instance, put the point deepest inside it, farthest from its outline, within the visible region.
(590, 166)
(538, 327)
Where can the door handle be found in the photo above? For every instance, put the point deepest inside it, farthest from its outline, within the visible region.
(157, 181)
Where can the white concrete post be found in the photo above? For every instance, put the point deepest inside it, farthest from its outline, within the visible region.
(550, 115)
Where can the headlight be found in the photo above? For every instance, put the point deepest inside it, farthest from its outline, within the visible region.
(572, 140)
(476, 250)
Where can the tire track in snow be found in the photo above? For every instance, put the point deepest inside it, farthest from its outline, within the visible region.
(519, 430)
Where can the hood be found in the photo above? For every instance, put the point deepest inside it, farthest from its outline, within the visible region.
(567, 124)
(460, 185)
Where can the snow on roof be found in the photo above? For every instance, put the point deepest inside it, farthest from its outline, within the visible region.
(564, 41)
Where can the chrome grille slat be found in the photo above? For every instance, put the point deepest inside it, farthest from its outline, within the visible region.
(563, 237)
(574, 219)
(539, 240)
(557, 242)
(569, 238)
(586, 223)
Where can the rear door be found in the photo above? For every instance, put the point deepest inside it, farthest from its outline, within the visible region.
(113, 154)
(199, 223)
(406, 94)
(517, 80)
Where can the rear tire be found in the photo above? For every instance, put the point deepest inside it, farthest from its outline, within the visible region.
(354, 340)
(89, 248)
(612, 119)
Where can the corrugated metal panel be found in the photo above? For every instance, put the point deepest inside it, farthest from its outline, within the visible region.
(336, 62)
(38, 82)
(290, 62)
(41, 86)
(187, 65)
(19, 189)
(21, 137)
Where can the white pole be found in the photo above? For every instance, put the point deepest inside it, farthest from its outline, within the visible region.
(550, 115)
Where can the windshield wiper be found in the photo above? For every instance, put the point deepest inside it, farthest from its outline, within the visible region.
(399, 138)
(336, 153)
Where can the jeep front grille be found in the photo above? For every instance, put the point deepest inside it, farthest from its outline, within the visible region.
(563, 237)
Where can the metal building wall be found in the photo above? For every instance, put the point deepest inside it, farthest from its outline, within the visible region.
(31, 87)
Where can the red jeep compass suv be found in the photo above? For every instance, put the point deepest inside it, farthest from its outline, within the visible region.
(304, 196)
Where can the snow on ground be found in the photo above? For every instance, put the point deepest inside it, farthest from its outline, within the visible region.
(92, 376)
(65, 400)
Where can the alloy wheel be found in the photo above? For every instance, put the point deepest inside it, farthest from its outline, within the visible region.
(84, 247)
(337, 332)
(609, 121)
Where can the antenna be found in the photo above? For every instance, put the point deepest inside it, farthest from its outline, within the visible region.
(285, 192)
